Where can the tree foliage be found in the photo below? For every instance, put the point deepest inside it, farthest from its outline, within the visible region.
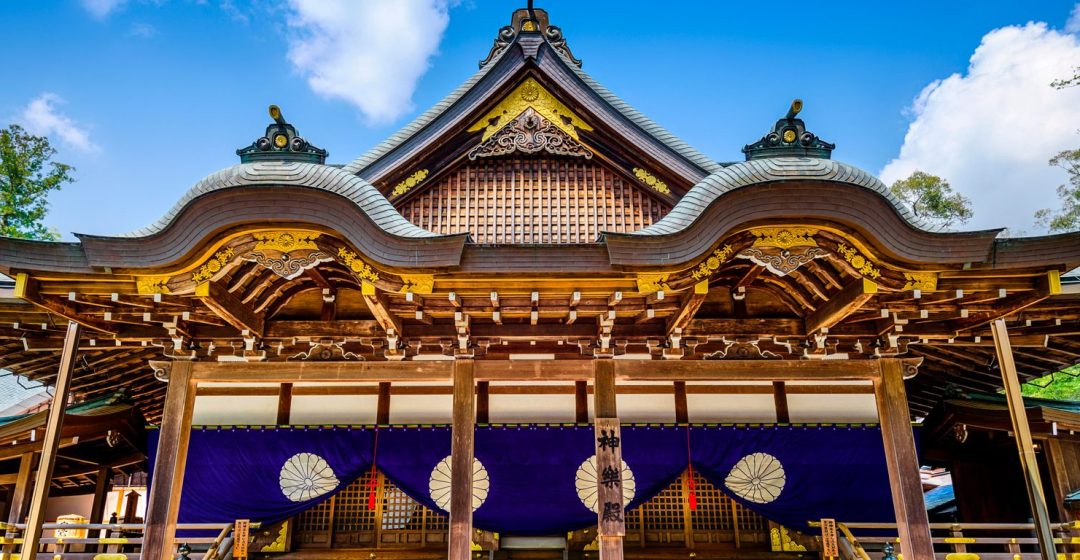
(930, 197)
(27, 176)
(1068, 82)
(1068, 217)
(1062, 386)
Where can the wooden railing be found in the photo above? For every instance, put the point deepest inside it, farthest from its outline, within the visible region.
(959, 541)
(121, 541)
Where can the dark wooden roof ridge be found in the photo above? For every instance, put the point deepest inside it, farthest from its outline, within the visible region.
(533, 51)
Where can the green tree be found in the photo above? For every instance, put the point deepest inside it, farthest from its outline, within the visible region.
(1061, 386)
(27, 176)
(1068, 217)
(1068, 82)
(931, 198)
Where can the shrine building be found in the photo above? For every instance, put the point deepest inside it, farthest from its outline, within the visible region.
(533, 323)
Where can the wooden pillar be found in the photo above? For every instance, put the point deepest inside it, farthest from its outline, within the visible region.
(164, 504)
(284, 404)
(483, 402)
(51, 444)
(682, 411)
(1060, 473)
(19, 496)
(581, 402)
(781, 402)
(609, 496)
(1024, 444)
(461, 460)
(101, 492)
(382, 405)
(902, 461)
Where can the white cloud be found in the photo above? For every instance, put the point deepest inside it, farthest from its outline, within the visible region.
(101, 9)
(369, 53)
(42, 117)
(1073, 24)
(990, 131)
(143, 30)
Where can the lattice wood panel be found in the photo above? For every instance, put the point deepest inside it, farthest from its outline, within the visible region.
(533, 201)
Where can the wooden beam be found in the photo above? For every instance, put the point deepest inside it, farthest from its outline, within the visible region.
(27, 289)
(461, 460)
(1060, 475)
(376, 302)
(227, 306)
(847, 301)
(1006, 307)
(538, 370)
(1024, 444)
(691, 302)
(175, 433)
(902, 461)
(284, 404)
(51, 442)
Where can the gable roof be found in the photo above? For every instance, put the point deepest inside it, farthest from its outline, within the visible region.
(533, 50)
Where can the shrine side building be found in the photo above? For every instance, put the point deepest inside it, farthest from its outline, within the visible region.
(533, 323)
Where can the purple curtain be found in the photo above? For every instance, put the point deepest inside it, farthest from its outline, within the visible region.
(527, 476)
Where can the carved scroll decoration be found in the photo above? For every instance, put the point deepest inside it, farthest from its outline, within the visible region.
(782, 262)
(326, 350)
(287, 265)
(530, 133)
(742, 350)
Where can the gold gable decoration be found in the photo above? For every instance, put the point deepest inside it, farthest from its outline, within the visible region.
(151, 285)
(530, 94)
(858, 261)
(285, 241)
(410, 182)
(922, 281)
(784, 238)
(213, 265)
(652, 282)
(360, 268)
(651, 181)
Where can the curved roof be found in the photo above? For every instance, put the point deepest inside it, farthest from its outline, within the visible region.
(295, 174)
(746, 173)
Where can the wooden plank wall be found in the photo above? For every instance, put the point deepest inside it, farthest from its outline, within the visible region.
(533, 201)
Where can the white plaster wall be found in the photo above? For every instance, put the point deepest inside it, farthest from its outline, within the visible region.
(421, 409)
(334, 409)
(710, 407)
(841, 408)
(531, 408)
(233, 410)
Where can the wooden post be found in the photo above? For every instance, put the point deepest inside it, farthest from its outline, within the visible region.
(781, 402)
(51, 444)
(609, 496)
(581, 402)
(284, 404)
(382, 405)
(483, 402)
(164, 504)
(682, 412)
(97, 508)
(18, 499)
(902, 462)
(1061, 477)
(461, 460)
(1025, 446)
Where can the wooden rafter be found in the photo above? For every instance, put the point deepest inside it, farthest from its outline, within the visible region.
(376, 302)
(27, 289)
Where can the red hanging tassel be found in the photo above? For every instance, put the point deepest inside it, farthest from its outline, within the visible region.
(691, 485)
(373, 482)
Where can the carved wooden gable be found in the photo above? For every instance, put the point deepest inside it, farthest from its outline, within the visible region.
(532, 170)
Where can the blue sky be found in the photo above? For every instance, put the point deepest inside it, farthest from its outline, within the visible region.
(147, 97)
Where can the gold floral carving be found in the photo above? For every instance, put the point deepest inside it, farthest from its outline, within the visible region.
(279, 542)
(784, 238)
(150, 285)
(417, 283)
(922, 281)
(285, 241)
(719, 257)
(360, 268)
(651, 181)
(782, 542)
(858, 261)
(652, 282)
(213, 266)
(410, 182)
(530, 94)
